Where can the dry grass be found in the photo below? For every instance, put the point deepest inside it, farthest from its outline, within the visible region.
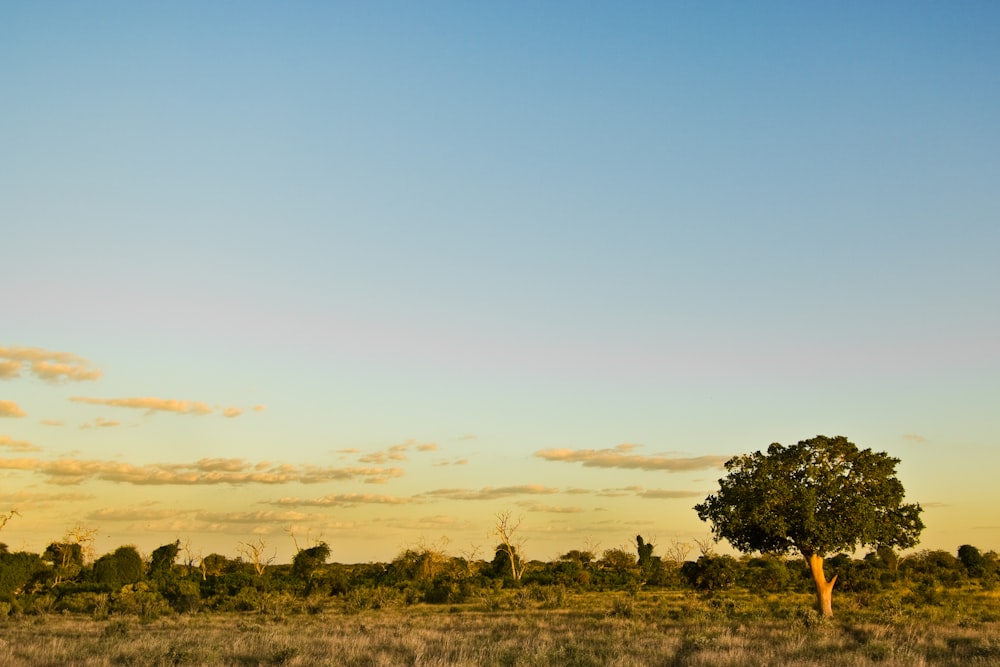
(600, 630)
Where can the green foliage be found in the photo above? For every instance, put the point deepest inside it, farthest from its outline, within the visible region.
(711, 573)
(162, 559)
(976, 564)
(501, 567)
(768, 574)
(933, 566)
(645, 553)
(66, 559)
(377, 597)
(17, 570)
(122, 567)
(307, 561)
(819, 496)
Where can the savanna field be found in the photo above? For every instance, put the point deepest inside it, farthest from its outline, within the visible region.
(426, 608)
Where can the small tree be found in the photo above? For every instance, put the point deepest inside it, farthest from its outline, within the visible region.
(819, 497)
(66, 559)
(162, 559)
(256, 554)
(506, 529)
(307, 561)
(123, 566)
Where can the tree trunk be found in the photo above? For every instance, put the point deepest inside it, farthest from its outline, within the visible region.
(824, 588)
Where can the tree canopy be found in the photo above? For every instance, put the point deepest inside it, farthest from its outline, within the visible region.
(819, 497)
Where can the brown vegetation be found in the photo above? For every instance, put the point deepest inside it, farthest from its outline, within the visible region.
(527, 627)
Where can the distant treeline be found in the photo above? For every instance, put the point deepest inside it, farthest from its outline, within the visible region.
(63, 579)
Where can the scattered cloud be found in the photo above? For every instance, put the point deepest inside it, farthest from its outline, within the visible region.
(53, 422)
(258, 408)
(37, 500)
(202, 472)
(101, 422)
(341, 500)
(914, 437)
(456, 462)
(45, 364)
(134, 514)
(491, 493)
(149, 404)
(11, 409)
(153, 405)
(264, 516)
(664, 494)
(619, 457)
(550, 509)
(619, 492)
(379, 458)
(436, 522)
(396, 452)
(18, 445)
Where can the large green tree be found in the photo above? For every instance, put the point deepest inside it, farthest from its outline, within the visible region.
(819, 497)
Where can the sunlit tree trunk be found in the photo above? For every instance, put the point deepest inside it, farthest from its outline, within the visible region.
(824, 588)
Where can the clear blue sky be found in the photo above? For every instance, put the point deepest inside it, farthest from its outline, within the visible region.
(440, 260)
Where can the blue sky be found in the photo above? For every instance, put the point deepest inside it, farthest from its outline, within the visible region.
(448, 237)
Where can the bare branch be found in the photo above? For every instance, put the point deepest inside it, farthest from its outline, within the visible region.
(255, 553)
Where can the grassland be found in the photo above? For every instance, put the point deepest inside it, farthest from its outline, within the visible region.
(519, 628)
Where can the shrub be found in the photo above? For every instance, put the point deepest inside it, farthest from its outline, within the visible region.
(377, 597)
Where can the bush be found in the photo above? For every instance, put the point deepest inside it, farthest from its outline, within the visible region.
(711, 573)
(378, 597)
(95, 604)
(138, 600)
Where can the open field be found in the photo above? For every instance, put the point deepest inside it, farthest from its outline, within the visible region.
(663, 629)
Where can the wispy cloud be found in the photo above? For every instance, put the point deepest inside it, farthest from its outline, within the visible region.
(18, 445)
(379, 458)
(144, 513)
(149, 404)
(395, 452)
(914, 437)
(229, 413)
(667, 494)
(491, 493)
(549, 509)
(456, 462)
(428, 523)
(341, 500)
(619, 457)
(264, 516)
(101, 422)
(202, 472)
(40, 499)
(619, 492)
(11, 409)
(45, 364)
